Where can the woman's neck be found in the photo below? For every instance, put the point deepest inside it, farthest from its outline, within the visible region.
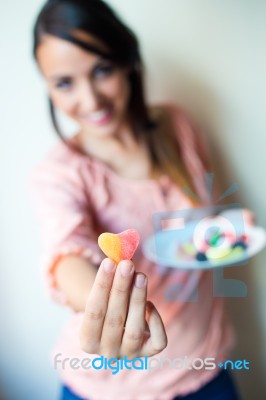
(123, 153)
(107, 147)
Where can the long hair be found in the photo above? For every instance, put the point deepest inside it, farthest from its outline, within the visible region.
(61, 18)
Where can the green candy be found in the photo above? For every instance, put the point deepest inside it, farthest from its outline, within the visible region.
(214, 239)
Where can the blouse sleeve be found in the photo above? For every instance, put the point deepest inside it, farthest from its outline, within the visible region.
(62, 209)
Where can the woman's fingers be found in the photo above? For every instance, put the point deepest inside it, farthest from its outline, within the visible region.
(135, 324)
(158, 339)
(96, 307)
(114, 321)
(117, 309)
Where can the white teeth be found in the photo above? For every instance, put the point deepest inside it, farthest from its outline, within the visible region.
(98, 115)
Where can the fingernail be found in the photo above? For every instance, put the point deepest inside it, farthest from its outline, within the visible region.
(108, 265)
(140, 280)
(126, 268)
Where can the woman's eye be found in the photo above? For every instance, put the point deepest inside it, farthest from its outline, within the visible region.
(63, 84)
(102, 71)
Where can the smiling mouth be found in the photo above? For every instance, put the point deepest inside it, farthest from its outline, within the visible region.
(99, 117)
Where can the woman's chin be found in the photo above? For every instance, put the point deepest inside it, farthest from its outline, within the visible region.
(104, 125)
(105, 130)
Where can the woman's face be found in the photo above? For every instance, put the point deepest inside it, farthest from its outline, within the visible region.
(86, 87)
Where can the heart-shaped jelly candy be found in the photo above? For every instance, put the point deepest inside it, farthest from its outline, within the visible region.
(120, 246)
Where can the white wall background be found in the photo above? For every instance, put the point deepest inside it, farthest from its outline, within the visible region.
(207, 54)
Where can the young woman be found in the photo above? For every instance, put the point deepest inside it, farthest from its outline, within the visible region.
(127, 161)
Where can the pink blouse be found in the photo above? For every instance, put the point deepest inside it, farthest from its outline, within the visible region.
(75, 198)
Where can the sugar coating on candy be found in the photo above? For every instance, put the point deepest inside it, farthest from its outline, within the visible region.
(120, 246)
(110, 244)
(129, 240)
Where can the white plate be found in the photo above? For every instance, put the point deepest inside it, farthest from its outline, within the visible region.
(162, 247)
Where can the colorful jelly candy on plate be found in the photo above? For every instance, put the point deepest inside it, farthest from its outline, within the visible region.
(218, 246)
(190, 249)
(200, 256)
(236, 252)
(240, 243)
(120, 246)
(218, 252)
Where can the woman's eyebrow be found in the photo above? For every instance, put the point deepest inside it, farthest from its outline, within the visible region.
(59, 77)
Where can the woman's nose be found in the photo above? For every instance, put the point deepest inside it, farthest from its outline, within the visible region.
(88, 97)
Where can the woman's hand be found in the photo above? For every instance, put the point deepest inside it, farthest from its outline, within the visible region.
(115, 323)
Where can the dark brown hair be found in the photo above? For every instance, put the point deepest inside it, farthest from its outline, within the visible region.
(61, 18)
